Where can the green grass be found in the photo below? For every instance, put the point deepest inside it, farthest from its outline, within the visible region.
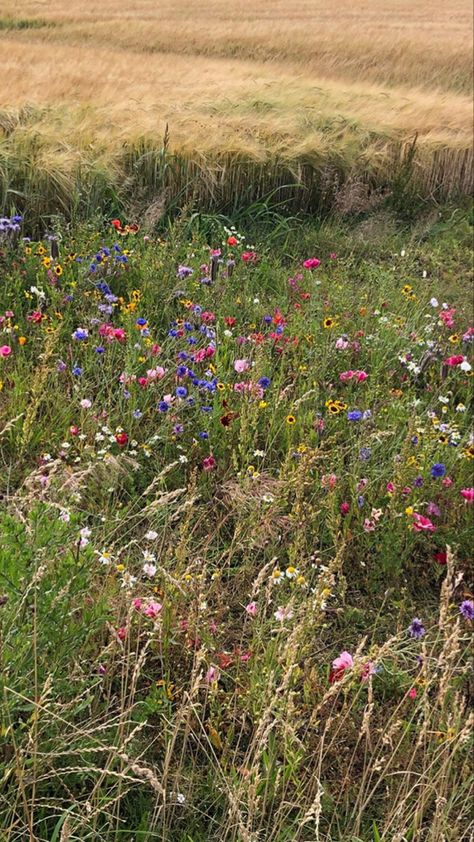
(109, 714)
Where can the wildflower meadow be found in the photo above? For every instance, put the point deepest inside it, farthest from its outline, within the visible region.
(237, 514)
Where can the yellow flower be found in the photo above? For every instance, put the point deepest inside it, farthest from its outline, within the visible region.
(329, 323)
(22, 340)
(262, 404)
(58, 270)
(221, 387)
(120, 568)
(290, 419)
(46, 262)
(409, 510)
(41, 250)
(28, 250)
(454, 339)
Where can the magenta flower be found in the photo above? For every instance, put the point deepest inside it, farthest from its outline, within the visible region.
(209, 463)
(468, 494)
(251, 609)
(152, 610)
(422, 524)
(5, 351)
(311, 263)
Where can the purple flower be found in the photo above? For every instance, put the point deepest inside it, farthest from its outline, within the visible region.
(354, 415)
(416, 629)
(467, 609)
(438, 470)
(365, 453)
(433, 509)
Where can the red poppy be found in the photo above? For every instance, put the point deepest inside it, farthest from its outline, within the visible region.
(121, 439)
(232, 241)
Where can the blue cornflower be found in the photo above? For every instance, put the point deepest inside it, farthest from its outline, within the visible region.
(183, 355)
(417, 629)
(163, 406)
(354, 415)
(181, 371)
(360, 501)
(77, 370)
(141, 322)
(206, 408)
(80, 334)
(181, 392)
(438, 470)
(203, 435)
(264, 382)
(137, 413)
(365, 453)
(267, 319)
(418, 482)
(172, 332)
(99, 350)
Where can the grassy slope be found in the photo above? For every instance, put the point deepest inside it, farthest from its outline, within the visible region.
(107, 715)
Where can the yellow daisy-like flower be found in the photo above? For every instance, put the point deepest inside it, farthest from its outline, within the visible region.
(262, 404)
(290, 419)
(58, 270)
(120, 568)
(329, 323)
(454, 339)
(46, 262)
(40, 250)
(22, 340)
(409, 511)
(407, 289)
(221, 387)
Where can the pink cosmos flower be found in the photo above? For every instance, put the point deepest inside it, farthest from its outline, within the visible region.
(241, 366)
(447, 482)
(5, 351)
(340, 664)
(311, 263)
(251, 609)
(468, 494)
(446, 317)
(212, 675)
(209, 463)
(412, 694)
(422, 524)
(342, 343)
(361, 376)
(137, 604)
(346, 375)
(369, 525)
(456, 359)
(152, 610)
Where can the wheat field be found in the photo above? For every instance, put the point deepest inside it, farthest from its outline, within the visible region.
(269, 88)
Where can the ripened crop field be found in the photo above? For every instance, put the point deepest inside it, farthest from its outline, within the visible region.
(255, 93)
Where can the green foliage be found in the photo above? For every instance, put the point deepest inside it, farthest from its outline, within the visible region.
(197, 720)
